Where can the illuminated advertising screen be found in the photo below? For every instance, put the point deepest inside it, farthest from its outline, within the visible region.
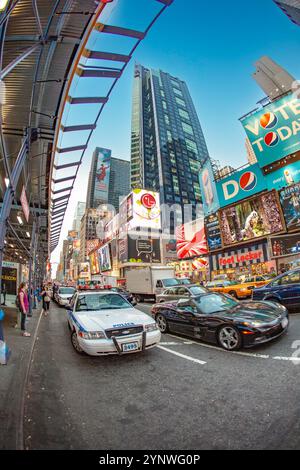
(290, 203)
(287, 245)
(140, 250)
(145, 209)
(102, 175)
(208, 189)
(9, 280)
(274, 131)
(94, 263)
(84, 271)
(255, 218)
(240, 185)
(126, 210)
(104, 258)
(76, 246)
(91, 245)
(213, 232)
(191, 240)
(285, 176)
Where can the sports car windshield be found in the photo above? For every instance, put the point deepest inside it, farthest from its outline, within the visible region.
(213, 303)
(96, 302)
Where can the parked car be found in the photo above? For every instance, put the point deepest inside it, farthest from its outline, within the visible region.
(63, 295)
(284, 289)
(238, 290)
(127, 295)
(103, 323)
(180, 292)
(220, 319)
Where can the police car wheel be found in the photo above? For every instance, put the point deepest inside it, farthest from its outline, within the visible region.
(75, 343)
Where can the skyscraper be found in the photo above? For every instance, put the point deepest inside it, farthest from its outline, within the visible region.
(98, 184)
(79, 211)
(291, 8)
(273, 79)
(167, 142)
(251, 157)
(119, 181)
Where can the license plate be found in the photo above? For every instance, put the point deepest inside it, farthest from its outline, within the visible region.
(284, 323)
(127, 347)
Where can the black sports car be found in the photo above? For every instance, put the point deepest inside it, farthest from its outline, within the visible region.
(220, 319)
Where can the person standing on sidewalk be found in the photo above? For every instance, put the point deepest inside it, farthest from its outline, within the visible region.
(24, 307)
(46, 300)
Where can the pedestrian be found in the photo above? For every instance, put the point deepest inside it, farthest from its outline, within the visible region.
(4, 294)
(23, 307)
(46, 300)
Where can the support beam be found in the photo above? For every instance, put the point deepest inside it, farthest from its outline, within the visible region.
(106, 56)
(62, 180)
(105, 28)
(67, 165)
(71, 149)
(18, 60)
(97, 73)
(87, 100)
(58, 191)
(82, 127)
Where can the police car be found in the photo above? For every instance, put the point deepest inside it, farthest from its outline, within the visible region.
(104, 322)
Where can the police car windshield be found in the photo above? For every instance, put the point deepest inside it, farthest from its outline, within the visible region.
(100, 302)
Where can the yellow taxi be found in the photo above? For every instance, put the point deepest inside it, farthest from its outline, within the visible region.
(238, 290)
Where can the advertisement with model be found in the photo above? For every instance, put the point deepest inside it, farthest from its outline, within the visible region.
(290, 203)
(102, 174)
(208, 188)
(94, 263)
(286, 245)
(254, 218)
(284, 176)
(240, 185)
(84, 271)
(274, 131)
(213, 232)
(104, 258)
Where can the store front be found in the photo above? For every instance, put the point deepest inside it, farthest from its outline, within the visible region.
(247, 260)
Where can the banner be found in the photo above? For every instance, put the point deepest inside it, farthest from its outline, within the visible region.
(274, 131)
(208, 188)
(258, 217)
(287, 245)
(191, 240)
(290, 203)
(240, 185)
(213, 232)
(94, 263)
(104, 258)
(140, 250)
(84, 271)
(102, 175)
(284, 176)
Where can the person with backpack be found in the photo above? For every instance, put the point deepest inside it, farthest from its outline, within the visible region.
(23, 304)
(46, 300)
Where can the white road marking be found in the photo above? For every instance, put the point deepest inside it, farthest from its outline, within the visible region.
(183, 356)
(241, 353)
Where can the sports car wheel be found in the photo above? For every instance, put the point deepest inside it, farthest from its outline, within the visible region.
(229, 338)
(75, 343)
(162, 323)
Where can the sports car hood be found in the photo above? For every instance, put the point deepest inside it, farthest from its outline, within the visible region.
(106, 319)
(263, 312)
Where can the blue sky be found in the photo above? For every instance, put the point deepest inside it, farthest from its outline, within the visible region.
(212, 46)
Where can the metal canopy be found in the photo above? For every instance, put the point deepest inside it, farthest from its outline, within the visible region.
(92, 63)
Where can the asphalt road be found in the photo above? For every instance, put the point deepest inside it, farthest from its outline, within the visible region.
(180, 395)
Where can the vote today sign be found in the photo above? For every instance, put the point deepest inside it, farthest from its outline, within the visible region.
(274, 131)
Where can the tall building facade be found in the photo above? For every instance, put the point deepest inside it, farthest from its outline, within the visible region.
(98, 183)
(79, 211)
(88, 231)
(273, 79)
(119, 181)
(251, 157)
(291, 8)
(167, 142)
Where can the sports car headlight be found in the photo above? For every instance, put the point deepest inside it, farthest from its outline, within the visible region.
(255, 324)
(91, 334)
(151, 327)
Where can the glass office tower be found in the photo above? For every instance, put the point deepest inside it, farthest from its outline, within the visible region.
(167, 142)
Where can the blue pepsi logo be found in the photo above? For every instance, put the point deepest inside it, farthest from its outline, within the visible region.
(248, 181)
(271, 139)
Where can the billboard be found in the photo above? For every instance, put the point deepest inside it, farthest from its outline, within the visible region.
(145, 209)
(140, 249)
(240, 185)
(213, 232)
(248, 220)
(10, 278)
(104, 258)
(126, 210)
(285, 176)
(290, 203)
(169, 250)
(102, 175)
(84, 271)
(76, 246)
(274, 131)
(191, 240)
(92, 245)
(94, 263)
(285, 246)
(208, 188)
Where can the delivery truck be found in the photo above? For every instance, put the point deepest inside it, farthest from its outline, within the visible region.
(147, 282)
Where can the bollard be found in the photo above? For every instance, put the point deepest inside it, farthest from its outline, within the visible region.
(4, 350)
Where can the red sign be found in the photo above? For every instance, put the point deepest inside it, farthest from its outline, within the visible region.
(191, 240)
(148, 201)
(235, 259)
(24, 203)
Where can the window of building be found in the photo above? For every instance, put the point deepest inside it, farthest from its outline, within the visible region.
(187, 128)
(191, 145)
(180, 101)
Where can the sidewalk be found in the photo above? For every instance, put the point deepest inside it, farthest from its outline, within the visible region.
(12, 377)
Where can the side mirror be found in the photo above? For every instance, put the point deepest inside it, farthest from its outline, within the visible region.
(134, 303)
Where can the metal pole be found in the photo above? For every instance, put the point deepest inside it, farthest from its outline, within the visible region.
(31, 257)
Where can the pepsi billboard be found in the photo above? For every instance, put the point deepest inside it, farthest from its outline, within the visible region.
(208, 188)
(241, 185)
(274, 131)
